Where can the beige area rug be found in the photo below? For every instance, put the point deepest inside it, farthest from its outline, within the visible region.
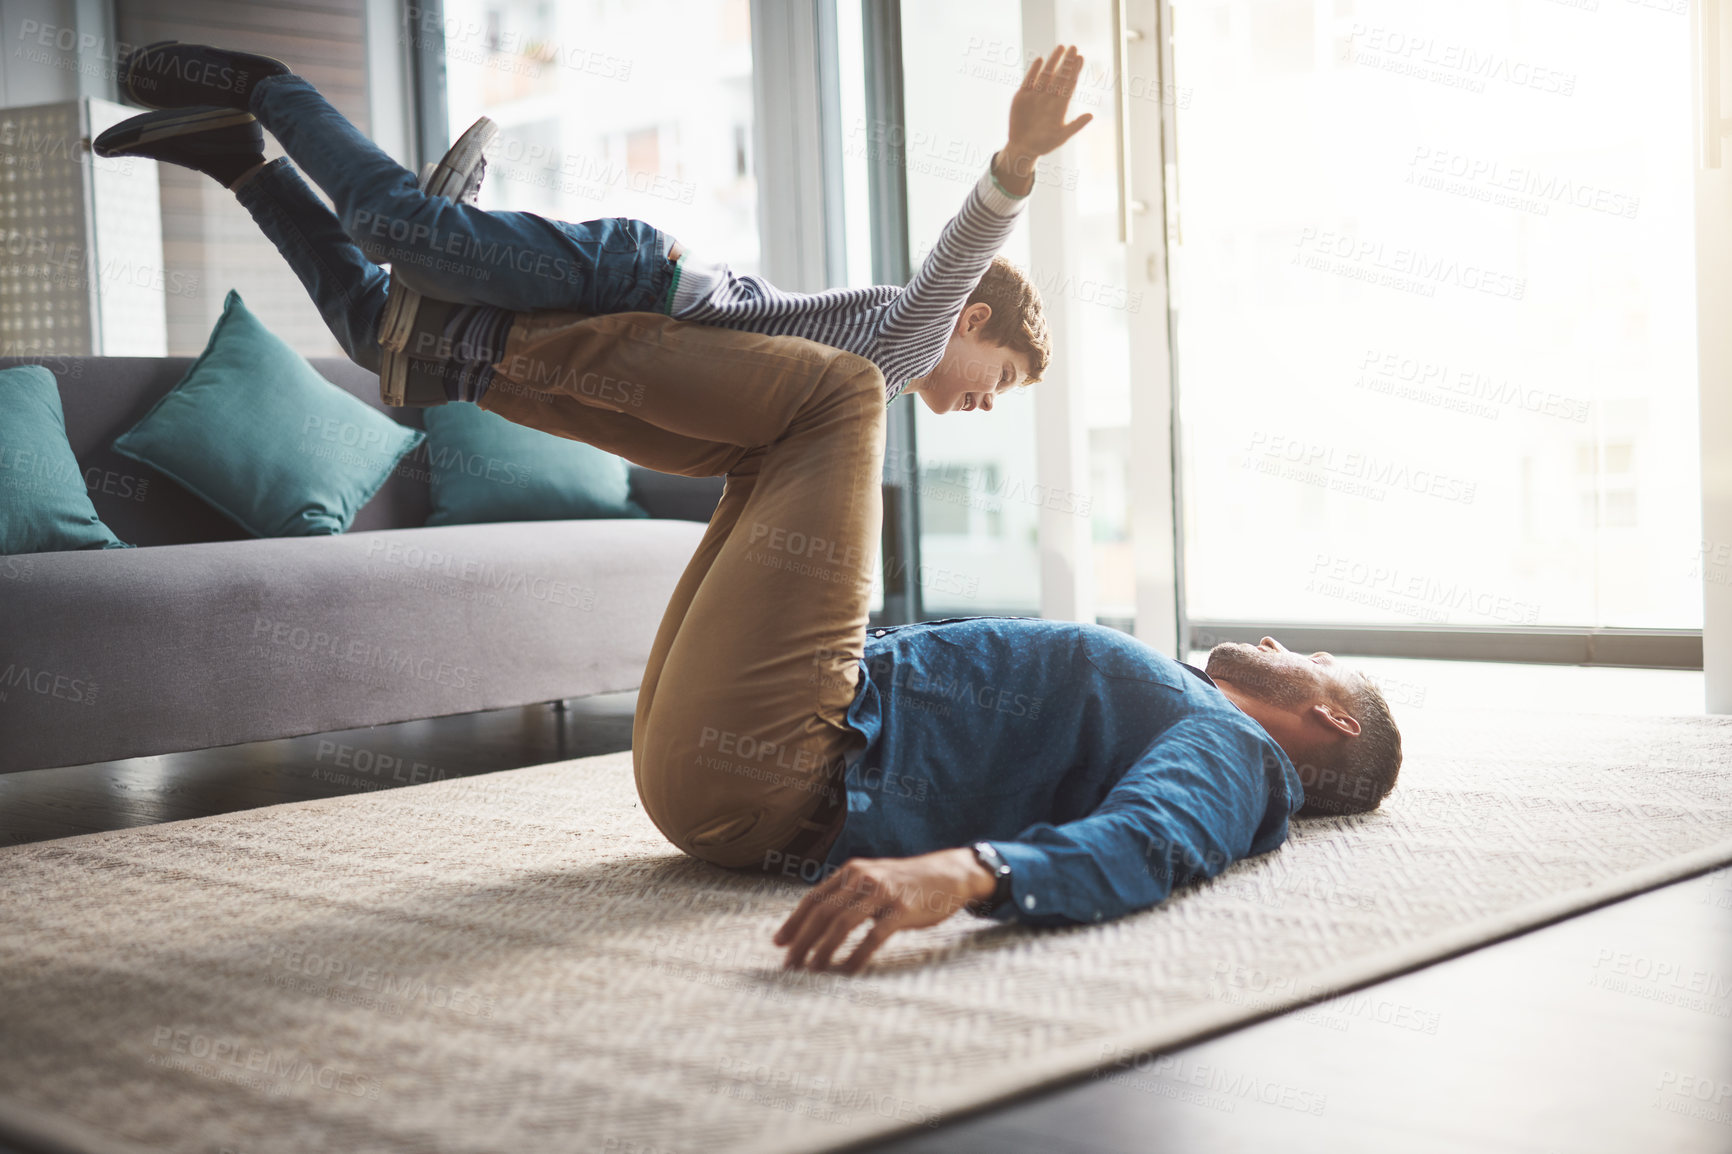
(518, 963)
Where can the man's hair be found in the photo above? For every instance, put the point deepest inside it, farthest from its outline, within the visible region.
(1357, 774)
(1018, 321)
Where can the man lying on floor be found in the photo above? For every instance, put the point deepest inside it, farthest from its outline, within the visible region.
(1047, 771)
(1088, 774)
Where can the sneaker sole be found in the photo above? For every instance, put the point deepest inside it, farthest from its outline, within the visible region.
(124, 81)
(188, 124)
(397, 320)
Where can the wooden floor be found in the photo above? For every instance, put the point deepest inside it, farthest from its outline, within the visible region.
(1611, 1031)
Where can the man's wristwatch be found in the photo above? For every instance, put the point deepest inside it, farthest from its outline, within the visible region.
(990, 858)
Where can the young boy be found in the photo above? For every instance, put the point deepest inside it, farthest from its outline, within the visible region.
(964, 329)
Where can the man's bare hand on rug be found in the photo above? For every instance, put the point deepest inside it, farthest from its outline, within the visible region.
(894, 893)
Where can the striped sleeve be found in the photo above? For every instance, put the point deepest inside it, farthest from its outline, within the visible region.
(917, 325)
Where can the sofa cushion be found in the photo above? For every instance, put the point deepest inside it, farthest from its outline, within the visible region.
(257, 433)
(44, 504)
(146, 651)
(486, 468)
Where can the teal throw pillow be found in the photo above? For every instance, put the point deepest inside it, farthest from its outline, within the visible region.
(254, 430)
(44, 504)
(486, 468)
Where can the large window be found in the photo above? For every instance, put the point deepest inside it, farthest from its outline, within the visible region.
(613, 109)
(1436, 320)
(1431, 277)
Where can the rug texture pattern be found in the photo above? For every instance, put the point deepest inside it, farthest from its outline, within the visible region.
(519, 962)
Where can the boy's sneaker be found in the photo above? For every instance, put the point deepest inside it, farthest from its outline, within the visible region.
(424, 382)
(424, 366)
(170, 74)
(456, 177)
(219, 142)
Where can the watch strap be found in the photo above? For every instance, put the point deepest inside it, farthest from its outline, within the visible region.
(1000, 869)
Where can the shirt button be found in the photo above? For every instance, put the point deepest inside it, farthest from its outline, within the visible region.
(1028, 902)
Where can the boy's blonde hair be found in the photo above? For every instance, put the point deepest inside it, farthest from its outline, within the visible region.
(1018, 321)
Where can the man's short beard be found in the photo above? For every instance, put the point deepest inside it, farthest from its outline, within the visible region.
(1244, 667)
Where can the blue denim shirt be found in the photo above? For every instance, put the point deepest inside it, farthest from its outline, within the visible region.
(1105, 773)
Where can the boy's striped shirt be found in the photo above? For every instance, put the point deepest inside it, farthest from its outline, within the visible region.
(903, 331)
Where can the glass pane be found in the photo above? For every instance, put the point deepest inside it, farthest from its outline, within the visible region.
(605, 109)
(1435, 301)
(856, 180)
(1100, 306)
(977, 487)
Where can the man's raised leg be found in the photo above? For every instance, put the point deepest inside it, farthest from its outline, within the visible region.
(740, 734)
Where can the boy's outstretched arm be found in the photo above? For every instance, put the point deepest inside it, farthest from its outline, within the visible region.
(919, 321)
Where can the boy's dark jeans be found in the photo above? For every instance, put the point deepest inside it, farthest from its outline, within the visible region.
(456, 252)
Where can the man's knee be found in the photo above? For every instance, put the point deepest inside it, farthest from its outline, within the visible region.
(860, 384)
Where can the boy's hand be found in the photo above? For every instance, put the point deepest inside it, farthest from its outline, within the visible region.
(1037, 124)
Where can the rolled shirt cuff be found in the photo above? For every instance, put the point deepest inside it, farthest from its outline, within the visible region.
(1042, 895)
(996, 197)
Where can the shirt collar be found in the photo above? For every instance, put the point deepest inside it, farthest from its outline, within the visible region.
(1198, 672)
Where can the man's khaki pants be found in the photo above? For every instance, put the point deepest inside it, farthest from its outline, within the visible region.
(739, 741)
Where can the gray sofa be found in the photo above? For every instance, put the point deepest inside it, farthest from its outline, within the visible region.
(206, 636)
